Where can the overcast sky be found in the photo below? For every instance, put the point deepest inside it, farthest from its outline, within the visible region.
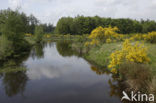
(52, 10)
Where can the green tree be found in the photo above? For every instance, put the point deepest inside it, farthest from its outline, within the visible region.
(64, 25)
(84, 25)
(39, 33)
(13, 26)
(33, 21)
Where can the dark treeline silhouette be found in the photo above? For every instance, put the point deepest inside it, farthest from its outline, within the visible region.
(84, 25)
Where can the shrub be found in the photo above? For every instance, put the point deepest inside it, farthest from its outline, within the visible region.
(108, 40)
(138, 76)
(105, 35)
(38, 33)
(28, 34)
(102, 34)
(5, 47)
(136, 53)
(47, 35)
(150, 37)
(137, 37)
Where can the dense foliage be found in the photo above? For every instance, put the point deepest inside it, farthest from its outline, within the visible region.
(38, 33)
(104, 35)
(13, 25)
(84, 25)
(136, 53)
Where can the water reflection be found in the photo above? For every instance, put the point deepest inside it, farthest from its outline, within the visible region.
(13, 75)
(37, 51)
(64, 48)
(56, 73)
(14, 82)
(100, 71)
(116, 86)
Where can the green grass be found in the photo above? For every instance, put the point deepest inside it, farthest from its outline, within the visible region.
(101, 55)
(152, 55)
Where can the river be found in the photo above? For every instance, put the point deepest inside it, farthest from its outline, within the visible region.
(54, 77)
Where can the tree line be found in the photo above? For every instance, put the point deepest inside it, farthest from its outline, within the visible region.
(28, 23)
(13, 27)
(84, 25)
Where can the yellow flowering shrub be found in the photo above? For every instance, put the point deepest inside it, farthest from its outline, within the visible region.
(108, 40)
(114, 71)
(94, 42)
(28, 34)
(47, 35)
(104, 35)
(150, 37)
(130, 52)
(136, 37)
(87, 44)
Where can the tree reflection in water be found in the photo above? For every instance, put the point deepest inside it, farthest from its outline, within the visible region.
(64, 48)
(116, 86)
(37, 51)
(136, 79)
(139, 80)
(13, 75)
(14, 82)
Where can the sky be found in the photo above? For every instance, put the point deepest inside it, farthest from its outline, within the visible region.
(50, 11)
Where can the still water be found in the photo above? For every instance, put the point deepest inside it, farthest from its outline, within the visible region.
(55, 75)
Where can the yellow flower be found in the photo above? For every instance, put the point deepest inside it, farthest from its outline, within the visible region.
(28, 34)
(114, 70)
(87, 44)
(108, 40)
(130, 52)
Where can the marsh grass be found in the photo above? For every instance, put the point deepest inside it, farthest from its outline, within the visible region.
(153, 86)
(137, 76)
(152, 55)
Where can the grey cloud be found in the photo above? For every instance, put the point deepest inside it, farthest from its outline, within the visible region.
(52, 10)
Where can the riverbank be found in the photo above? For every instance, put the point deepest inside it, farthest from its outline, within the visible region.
(100, 54)
(140, 77)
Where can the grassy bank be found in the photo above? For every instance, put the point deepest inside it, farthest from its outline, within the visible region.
(152, 55)
(135, 76)
(100, 55)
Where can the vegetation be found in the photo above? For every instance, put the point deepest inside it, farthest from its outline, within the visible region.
(116, 45)
(136, 53)
(5, 47)
(84, 25)
(38, 33)
(104, 35)
(13, 25)
(15, 28)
